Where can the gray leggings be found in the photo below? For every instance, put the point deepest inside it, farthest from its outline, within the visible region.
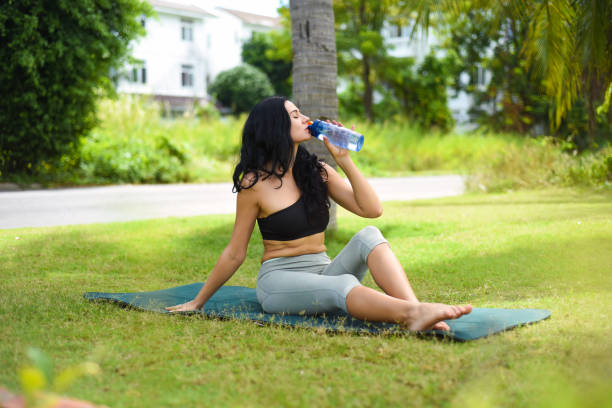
(313, 283)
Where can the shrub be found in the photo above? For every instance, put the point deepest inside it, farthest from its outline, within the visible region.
(536, 163)
(132, 143)
(56, 58)
(241, 87)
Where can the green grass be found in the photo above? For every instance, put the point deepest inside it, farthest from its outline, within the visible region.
(546, 249)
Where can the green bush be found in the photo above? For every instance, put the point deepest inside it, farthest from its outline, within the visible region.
(132, 160)
(56, 58)
(241, 87)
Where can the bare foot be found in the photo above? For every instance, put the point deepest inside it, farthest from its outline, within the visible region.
(424, 316)
(440, 326)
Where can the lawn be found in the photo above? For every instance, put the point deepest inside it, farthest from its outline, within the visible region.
(548, 249)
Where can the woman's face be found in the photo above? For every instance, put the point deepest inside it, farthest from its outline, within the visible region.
(299, 123)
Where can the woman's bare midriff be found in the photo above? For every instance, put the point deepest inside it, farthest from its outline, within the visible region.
(312, 244)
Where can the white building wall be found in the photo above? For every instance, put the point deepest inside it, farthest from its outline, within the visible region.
(230, 32)
(225, 44)
(403, 46)
(164, 52)
(216, 46)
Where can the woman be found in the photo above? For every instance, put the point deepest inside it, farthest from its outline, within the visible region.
(286, 191)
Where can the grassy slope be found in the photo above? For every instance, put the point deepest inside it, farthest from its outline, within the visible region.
(549, 249)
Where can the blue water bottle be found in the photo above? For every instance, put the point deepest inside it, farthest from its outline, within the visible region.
(337, 135)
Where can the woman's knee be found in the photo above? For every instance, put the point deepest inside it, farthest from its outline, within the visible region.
(369, 232)
(369, 238)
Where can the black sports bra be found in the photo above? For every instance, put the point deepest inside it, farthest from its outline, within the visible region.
(291, 223)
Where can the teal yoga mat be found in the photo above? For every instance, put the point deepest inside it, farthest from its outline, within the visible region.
(238, 302)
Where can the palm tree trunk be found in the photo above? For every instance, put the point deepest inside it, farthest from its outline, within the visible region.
(315, 72)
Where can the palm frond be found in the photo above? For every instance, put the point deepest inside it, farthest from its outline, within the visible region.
(550, 49)
(593, 36)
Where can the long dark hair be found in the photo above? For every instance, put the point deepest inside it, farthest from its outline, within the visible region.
(266, 140)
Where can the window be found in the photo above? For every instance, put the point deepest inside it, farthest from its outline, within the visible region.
(479, 75)
(186, 29)
(187, 76)
(138, 73)
(395, 31)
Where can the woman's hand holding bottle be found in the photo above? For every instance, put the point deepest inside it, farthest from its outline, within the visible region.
(337, 152)
(336, 134)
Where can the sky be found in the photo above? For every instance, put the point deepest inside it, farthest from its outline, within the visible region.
(263, 7)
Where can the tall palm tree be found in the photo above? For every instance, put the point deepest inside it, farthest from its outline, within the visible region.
(315, 72)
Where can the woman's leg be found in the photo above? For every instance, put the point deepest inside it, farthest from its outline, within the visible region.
(389, 274)
(368, 249)
(368, 304)
(304, 293)
(295, 285)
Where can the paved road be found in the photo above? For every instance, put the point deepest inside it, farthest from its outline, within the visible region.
(37, 208)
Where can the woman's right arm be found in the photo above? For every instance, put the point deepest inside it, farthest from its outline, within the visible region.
(234, 253)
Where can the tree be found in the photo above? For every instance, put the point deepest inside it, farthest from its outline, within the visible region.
(258, 51)
(568, 42)
(363, 51)
(421, 91)
(271, 52)
(511, 98)
(313, 40)
(56, 61)
(241, 87)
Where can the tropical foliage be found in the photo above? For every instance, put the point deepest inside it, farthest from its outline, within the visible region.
(565, 43)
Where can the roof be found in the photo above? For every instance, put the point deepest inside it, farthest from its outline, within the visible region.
(254, 19)
(179, 7)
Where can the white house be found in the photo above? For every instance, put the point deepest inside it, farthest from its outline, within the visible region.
(185, 47)
(238, 27)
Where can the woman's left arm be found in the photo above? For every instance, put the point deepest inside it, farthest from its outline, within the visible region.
(358, 197)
